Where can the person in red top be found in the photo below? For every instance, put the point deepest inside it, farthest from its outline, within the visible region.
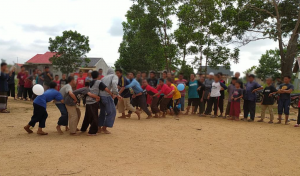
(80, 81)
(154, 99)
(27, 86)
(21, 77)
(184, 82)
(57, 81)
(168, 95)
(100, 74)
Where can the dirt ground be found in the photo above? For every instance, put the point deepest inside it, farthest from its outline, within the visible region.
(191, 146)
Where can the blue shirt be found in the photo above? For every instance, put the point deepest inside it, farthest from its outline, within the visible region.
(193, 86)
(249, 87)
(3, 82)
(49, 95)
(136, 87)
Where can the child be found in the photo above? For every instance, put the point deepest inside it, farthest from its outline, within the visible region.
(56, 80)
(268, 101)
(214, 96)
(28, 86)
(235, 107)
(152, 91)
(193, 95)
(176, 98)
(39, 108)
(284, 102)
(230, 90)
(63, 81)
(162, 88)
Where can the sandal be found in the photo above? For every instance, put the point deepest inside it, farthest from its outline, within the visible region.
(5, 111)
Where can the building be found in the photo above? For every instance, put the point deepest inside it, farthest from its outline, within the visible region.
(39, 61)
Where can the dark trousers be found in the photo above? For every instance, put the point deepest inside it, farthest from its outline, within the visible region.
(20, 91)
(154, 107)
(249, 107)
(11, 90)
(205, 103)
(175, 108)
(63, 120)
(213, 101)
(298, 120)
(141, 102)
(228, 109)
(39, 115)
(90, 118)
(3, 100)
(27, 92)
(201, 106)
(221, 104)
(164, 104)
(159, 99)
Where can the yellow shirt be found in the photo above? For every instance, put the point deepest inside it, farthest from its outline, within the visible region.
(176, 94)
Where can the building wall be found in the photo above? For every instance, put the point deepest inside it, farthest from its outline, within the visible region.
(102, 64)
(41, 67)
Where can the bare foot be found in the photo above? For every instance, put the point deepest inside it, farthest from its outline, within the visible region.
(99, 130)
(42, 133)
(29, 131)
(77, 129)
(59, 130)
(138, 113)
(128, 115)
(106, 132)
(67, 128)
(122, 117)
(149, 117)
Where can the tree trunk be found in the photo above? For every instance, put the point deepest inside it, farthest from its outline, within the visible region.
(288, 61)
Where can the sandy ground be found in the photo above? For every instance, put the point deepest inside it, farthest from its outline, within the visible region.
(190, 146)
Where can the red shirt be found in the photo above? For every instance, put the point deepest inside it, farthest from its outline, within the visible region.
(100, 77)
(27, 82)
(150, 90)
(58, 84)
(21, 76)
(165, 89)
(80, 83)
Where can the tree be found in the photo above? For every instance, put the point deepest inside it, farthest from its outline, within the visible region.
(147, 41)
(202, 28)
(187, 70)
(250, 70)
(269, 65)
(71, 49)
(252, 20)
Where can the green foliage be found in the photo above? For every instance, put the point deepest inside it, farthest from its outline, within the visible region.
(70, 49)
(250, 70)
(269, 65)
(187, 70)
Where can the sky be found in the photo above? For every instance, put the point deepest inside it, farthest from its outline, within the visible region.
(26, 26)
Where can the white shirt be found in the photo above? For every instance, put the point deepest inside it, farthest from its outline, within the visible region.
(215, 89)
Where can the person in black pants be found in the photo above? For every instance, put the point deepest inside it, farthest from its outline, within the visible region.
(11, 85)
(221, 99)
(201, 101)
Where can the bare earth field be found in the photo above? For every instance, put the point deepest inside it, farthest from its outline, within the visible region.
(191, 146)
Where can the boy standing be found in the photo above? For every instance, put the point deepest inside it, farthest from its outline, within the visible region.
(284, 102)
(176, 98)
(39, 108)
(151, 92)
(184, 82)
(193, 85)
(21, 78)
(230, 90)
(268, 100)
(63, 81)
(235, 105)
(214, 96)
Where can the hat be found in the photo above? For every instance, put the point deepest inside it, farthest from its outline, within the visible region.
(90, 71)
(211, 74)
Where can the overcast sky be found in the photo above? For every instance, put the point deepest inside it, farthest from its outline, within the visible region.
(27, 25)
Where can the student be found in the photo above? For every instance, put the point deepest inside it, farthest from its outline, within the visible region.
(92, 104)
(4, 87)
(164, 77)
(57, 81)
(124, 103)
(28, 86)
(100, 71)
(154, 99)
(208, 83)
(235, 107)
(230, 90)
(11, 84)
(221, 100)
(162, 88)
(21, 78)
(89, 78)
(284, 102)
(214, 96)
(47, 76)
(250, 98)
(80, 81)
(268, 100)
(108, 109)
(201, 91)
(139, 77)
(152, 81)
(176, 98)
(39, 108)
(139, 97)
(144, 75)
(193, 96)
(63, 81)
(184, 82)
(40, 78)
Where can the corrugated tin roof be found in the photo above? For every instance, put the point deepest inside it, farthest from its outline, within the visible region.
(92, 63)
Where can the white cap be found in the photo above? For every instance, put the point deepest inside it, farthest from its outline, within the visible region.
(211, 74)
(90, 71)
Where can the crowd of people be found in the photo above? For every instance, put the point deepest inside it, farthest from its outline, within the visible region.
(137, 93)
